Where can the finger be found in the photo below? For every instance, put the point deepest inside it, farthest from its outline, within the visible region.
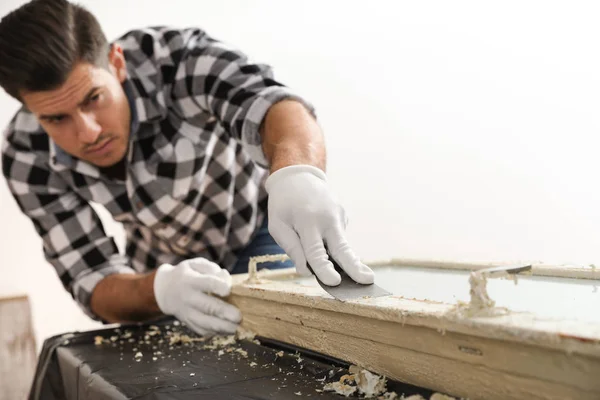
(289, 241)
(210, 305)
(211, 284)
(317, 258)
(195, 325)
(212, 324)
(204, 266)
(342, 253)
(225, 276)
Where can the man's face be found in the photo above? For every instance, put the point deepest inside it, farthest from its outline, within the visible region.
(88, 116)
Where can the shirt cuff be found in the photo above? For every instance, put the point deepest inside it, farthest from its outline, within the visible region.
(86, 282)
(251, 138)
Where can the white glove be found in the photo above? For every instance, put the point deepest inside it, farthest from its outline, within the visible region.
(304, 217)
(184, 291)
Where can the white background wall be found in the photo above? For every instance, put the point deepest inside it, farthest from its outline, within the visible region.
(457, 130)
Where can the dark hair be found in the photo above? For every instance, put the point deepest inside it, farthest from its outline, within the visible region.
(43, 40)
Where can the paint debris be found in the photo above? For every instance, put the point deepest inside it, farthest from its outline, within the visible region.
(298, 393)
(340, 388)
(479, 296)
(361, 382)
(192, 374)
(388, 396)
(254, 261)
(343, 386)
(244, 334)
(243, 352)
(253, 364)
(98, 340)
(280, 354)
(138, 355)
(222, 341)
(368, 383)
(177, 338)
(440, 396)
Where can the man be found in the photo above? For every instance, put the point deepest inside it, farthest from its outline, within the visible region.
(182, 140)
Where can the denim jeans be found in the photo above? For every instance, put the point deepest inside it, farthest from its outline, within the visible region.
(262, 244)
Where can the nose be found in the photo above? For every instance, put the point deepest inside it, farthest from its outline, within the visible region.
(88, 129)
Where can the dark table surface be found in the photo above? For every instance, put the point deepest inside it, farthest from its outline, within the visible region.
(147, 362)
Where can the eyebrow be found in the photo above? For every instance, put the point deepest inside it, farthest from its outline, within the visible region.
(86, 99)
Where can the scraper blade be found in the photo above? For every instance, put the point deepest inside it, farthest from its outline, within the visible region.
(348, 289)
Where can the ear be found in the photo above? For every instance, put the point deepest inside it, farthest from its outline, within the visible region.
(117, 64)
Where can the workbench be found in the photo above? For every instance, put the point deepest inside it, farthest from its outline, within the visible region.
(153, 361)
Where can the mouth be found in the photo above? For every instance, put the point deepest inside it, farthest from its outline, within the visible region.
(102, 147)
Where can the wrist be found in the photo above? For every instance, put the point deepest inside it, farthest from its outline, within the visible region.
(160, 281)
(147, 288)
(293, 170)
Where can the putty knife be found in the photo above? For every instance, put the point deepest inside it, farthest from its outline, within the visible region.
(502, 270)
(348, 289)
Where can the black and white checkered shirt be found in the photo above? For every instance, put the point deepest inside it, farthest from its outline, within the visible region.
(195, 167)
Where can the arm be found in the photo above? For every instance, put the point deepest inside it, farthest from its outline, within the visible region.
(291, 136)
(87, 261)
(184, 290)
(278, 130)
(72, 236)
(125, 298)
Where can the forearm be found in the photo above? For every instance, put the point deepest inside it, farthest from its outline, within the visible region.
(291, 136)
(125, 298)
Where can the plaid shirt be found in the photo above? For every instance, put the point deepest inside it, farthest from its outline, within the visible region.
(195, 167)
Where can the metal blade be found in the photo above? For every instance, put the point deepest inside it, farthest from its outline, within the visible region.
(348, 289)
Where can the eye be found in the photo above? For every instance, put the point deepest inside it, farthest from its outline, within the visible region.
(95, 97)
(55, 120)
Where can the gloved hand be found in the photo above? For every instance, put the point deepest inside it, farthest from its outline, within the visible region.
(303, 216)
(185, 292)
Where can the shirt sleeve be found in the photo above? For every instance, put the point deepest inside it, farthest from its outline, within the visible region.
(238, 92)
(73, 238)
